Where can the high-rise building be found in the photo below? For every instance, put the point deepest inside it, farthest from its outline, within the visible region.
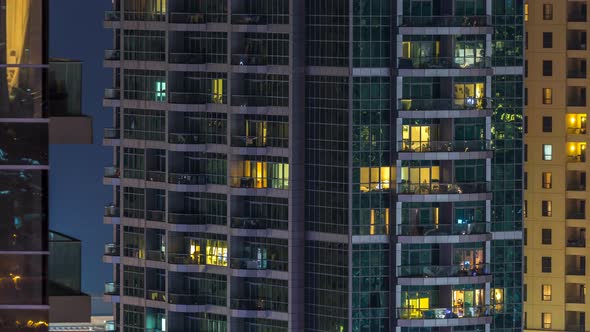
(38, 97)
(556, 193)
(318, 165)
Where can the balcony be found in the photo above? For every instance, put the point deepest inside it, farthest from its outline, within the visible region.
(155, 255)
(258, 264)
(444, 21)
(259, 304)
(188, 58)
(576, 68)
(442, 229)
(445, 313)
(259, 60)
(259, 101)
(443, 146)
(576, 40)
(179, 138)
(575, 299)
(576, 243)
(196, 299)
(111, 172)
(111, 211)
(187, 179)
(112, 94)
(438, 188)
(111, 133)
(437, 271)
(109, 326)
(413, 104)
(259, 142)
(575, 271)
(576, 96)
(111, 249)
(111, 288)
(444, 63)
(576, 11)
(576, 215)
(112, 55)
(112, 16)
(197, 17)
(258, 223)
(155, 215)
(195, 98)
(155, 176)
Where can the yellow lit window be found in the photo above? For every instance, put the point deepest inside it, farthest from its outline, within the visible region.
(216, 251)
(379, 221)
(526, 12)
(217, 91)
(375, 178)
(547, 180)
(546, 291)
(547, 96)
(546, 319)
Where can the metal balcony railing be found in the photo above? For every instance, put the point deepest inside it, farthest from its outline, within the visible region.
(187, 179)
(576, 243)
(195, 98)
(258, 264)
(444, 21)
(576, 131)
(111, 133)
(112, 55)
(259, 142)
(259, 304)
(155, 215)
(111, 172)
(575, 299)
(576, 215)
(259, 101)
(196, 299)
(111, 288)
(111, 249)
(197, 18)
(112, 93)
(155, 176)
(259, 60)
(111, 211)
(444, 104)
(179, 138)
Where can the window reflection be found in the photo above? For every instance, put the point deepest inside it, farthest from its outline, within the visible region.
(23, 144)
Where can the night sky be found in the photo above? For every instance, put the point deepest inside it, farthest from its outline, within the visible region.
(77, 195)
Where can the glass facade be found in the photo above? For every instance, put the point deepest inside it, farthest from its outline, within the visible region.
(23, 165)
(347, 165)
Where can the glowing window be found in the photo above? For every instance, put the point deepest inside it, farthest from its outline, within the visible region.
(160, 91)
(546, 291)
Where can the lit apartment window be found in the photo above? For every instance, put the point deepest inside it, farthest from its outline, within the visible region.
(546, 291)
(546, 209)
(547, 152)
(546, 264)
(547, 96)
(547, 68)
(526, 12)
(546, 320)
(547, 124)
(546, 236)
(547, 180)
(547, 39)
(547, 11)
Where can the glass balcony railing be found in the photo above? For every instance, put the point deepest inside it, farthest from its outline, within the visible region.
(109, 326)
(413, 104)
(576, 215)
(444, 62)
(259, 60)
(156, 295)
(187, 179)
(440, 188)
(186, 259)
(111, 288)
(444, 146)
(576, 131)
(259, 19)
(155, 176)
(188, 58)
(111, 172)
(111, 249)
(575, 299)
(258, 182)
(155, 255)
(259, 142)
(445, 313)
(197, 18)
(112, 55)
(112, 94)
(111, 211)
(259, 101)
(195, 98)
(155, 215)
(178, 138)
(576, 243)
(437, 271)
(112, 16)
(258, 264)
(575, 271)
(258, 223)
(444, 21)
(259, 304)
(196, 299)
(442, 229)
(112, 133)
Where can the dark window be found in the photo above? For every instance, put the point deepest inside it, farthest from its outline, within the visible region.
(525, 235)
(547, 124)
(526, 68)
(546, 264)
(526, 152)
(526, 40)
(526, 180)
(526, 96)
(526, 264)
(547, 68)
(525, 208)
(546, 236)
(547, 39)
(546, 209)
(547, 11)
(524, 292)
(526, 124)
